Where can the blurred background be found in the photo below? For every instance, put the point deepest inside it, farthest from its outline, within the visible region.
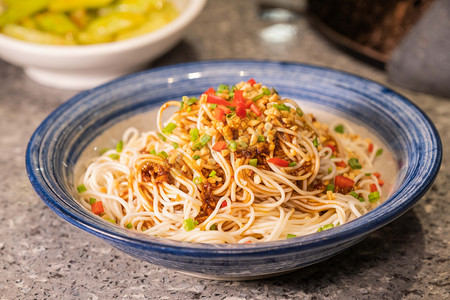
(403, 44)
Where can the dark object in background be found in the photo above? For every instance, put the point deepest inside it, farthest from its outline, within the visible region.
(372, 28)
(422, 60)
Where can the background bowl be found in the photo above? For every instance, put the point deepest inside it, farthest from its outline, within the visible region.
(86, 66)
(59, 141)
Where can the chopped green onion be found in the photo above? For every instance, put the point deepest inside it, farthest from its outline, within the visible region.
(231, 115)
(119, 146)
(222, 88)
(189, 109)
(367, 174)
(258, 97)
(205, 139)
(339, 128)
(81, 188)
(103, 151)
(379, 151)
(153, 152)
(196, 157)
(330, 169)
(354, 194)
(189, 224)
(290, 236)
(292, 164)
(169, 128)
(274, 91)
(265, 91)
(163, 138)
(316, 142)
(92, 200)
(110, 220)
(330, 187)
(328, 226)
(320, 229)
(213, 227)
(361, 199)
(212, 174)
(213, 106)
(374, 196)
(114, 156)
(182, 105)
(233, 145)
(175, 145)
(244, 145)
(197, 180)
(261, 139)
(299, 112)
(129, 226)
(354, 163)
(197, 146)
(253, 162)
(191, 101)
(282, 106)
(193, 132)
(163, 154)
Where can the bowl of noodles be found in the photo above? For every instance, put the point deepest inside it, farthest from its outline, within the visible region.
(234, 169)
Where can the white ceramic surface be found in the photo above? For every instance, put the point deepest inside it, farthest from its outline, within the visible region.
(83, 67)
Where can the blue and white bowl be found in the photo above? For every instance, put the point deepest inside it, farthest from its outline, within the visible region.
(58, 143)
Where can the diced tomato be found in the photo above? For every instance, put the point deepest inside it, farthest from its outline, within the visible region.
(278, 161)
(370, 149)
(97, 207)
(219, 114)
(373, 188)
(343, 182)
(219, 146)
(377, 175)
(332, 147)
(341, 164)
(380, 182)
(213, 99)
(255, 109)
(224, 204)
(225, 109)
(251, 81)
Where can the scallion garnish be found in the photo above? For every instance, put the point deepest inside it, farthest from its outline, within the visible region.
(169, 128)
(374, 196)
(265, 91)
(191, 101)
(258, 97)
(292, 164)
(196, 157)
(232, 145)
(193, 132)
(92, 200)
(354, 194)
(379, 152)
(163, 138)
(222, 88)
(213, 106)
(197, 146)
(197, 180)
(129, 226)
(163, 154)
(175, 145)
(81, 188)
(315, 142)
(231, 115)
(244, 145)
(330, 187)
(274, 91)
(299, 112)
(212, 174)
(119, 146)
(213, 227)
(354, 163)
(282, 106)
(261, 139)
(103, 151)
(205, 139)
(253, 162)
(114, 156)
(189, 109)
(339, 128)
(153, 152)
(328, 226)
(290, 236)
(189, 224)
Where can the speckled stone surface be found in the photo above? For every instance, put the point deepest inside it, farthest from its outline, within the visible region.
(44, 257)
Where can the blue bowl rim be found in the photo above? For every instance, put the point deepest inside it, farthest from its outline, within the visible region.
(309, 242)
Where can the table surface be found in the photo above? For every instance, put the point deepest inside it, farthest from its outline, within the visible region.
(42, 256)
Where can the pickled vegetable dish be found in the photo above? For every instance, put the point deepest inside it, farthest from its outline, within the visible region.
(82, 22)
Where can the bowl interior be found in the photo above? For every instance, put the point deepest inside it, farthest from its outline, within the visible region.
(61, 141)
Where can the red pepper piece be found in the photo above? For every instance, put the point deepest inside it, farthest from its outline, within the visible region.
(278, 161)
(225, 109)
(380, 182)
(224, 204)
(370, 148)
(255, 109)
(332, 147)
(343, 182)
(241, 112)
(213, 99)
(97, 207)
(341, 164)
(251, 81)
(219, 114)
(210, 91)
(219, 146)
(373, 188)
(377, 175)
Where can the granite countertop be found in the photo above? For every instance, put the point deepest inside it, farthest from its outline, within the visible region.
(44, 257)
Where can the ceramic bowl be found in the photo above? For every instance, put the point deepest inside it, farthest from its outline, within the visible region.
(65, 136)
(86, 66)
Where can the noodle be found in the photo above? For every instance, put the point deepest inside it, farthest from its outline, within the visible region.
(236, 165)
